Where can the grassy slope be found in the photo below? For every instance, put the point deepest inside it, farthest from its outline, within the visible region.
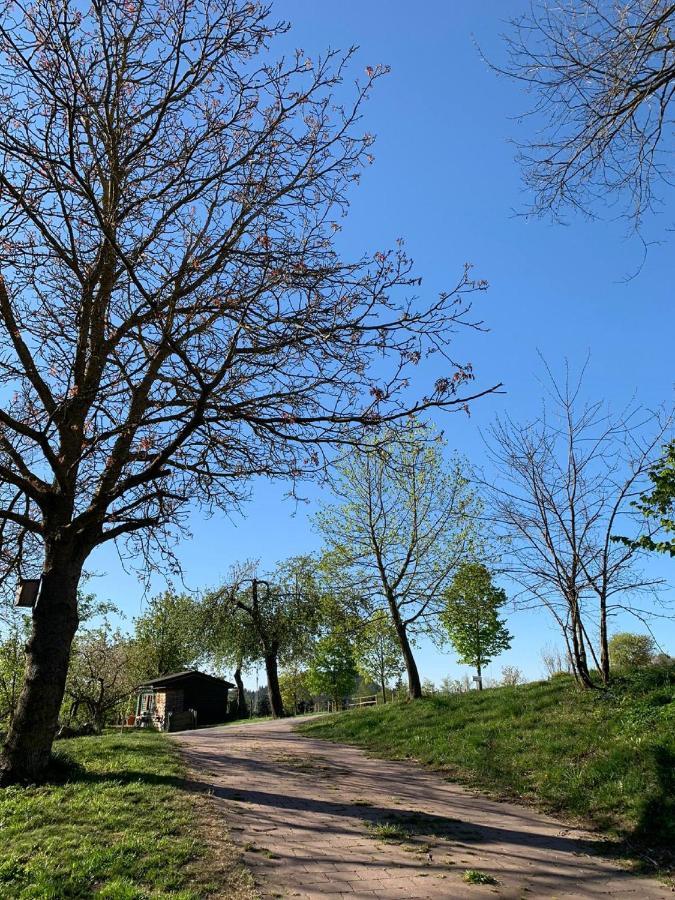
(115, 822)
(607, 759)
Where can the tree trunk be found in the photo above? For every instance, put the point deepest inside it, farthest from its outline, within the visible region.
(479, 672)
(604, 644)
(414, 683)
(27, 750)
(578, 647)
(273, 689)
(242, 708)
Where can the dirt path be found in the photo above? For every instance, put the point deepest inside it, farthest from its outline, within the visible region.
(317, 820)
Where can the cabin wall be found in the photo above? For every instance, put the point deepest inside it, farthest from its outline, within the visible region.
(210, 701)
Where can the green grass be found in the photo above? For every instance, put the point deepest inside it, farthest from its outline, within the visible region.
(605, 758)
(115, 821)
(475, 876)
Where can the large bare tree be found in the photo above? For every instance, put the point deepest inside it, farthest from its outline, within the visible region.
(563, 486)
(174, 314)
(602, 77)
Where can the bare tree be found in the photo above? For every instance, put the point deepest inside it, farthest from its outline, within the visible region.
(100, 679)
(174, 314)
(565, 483)
(555, 660)
(602, 73)
(403, 523)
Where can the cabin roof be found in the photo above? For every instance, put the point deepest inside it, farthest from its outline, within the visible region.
(178, 678)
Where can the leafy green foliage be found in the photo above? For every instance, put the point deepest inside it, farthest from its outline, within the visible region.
(658, 505)
(377, 651)
(609, 759)
(169, 636)
(295, 690)
(475, 876)
(403, 521)
(116, 823)
(471, 616)
(12, 663)
(333, 670)
(631, 651)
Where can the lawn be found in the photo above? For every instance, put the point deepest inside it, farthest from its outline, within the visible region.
(115, 821)
(606, 759)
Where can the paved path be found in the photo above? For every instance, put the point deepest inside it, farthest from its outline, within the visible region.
(313, 819)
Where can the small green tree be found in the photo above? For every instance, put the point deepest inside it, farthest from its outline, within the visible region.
(169, 636)
(333, 668)
(471, 617)
(294, 687)
(378, 652)
(231, 643)
(631, 651)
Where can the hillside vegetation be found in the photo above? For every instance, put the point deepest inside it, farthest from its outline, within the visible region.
(606, 758)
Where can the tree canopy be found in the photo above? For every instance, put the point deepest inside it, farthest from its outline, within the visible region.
(471, 617)
(175, 314)
(602, 78)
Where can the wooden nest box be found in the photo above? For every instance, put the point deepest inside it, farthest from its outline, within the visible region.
(27, 592)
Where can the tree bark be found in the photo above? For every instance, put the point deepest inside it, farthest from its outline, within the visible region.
(414, 683)
(479, 672)
(604, 643)
(273, 689)
(27, 750)
(242, 708)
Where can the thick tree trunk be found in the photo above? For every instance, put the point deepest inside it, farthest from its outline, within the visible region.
(242, 708)
(273, 689)
(27, 750)
(479, 672)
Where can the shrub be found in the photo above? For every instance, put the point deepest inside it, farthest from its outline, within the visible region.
(631, 651)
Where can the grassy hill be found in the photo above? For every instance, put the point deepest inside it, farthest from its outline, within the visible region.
(604, 758)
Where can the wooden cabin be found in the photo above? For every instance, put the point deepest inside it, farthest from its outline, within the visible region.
(183, 700)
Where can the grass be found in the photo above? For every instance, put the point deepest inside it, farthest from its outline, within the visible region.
(604, 758)
(391, 832)
(115, 821)
(475, 876)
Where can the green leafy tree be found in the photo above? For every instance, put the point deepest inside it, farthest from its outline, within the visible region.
(295, 689)
(12, 662)
(471, 617)
(282, 615)
(333, 668)
(631, 651)
(658, 506)
(378, 652)
(404, 521)
(169, 636)
(231, 643)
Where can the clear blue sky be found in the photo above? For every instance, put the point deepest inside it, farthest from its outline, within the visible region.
(445, 179)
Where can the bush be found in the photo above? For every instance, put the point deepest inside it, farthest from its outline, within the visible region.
(631, 651)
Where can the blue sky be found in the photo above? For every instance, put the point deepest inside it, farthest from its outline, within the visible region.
(445, 179)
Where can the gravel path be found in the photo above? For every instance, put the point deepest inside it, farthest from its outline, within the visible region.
(320, 820)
